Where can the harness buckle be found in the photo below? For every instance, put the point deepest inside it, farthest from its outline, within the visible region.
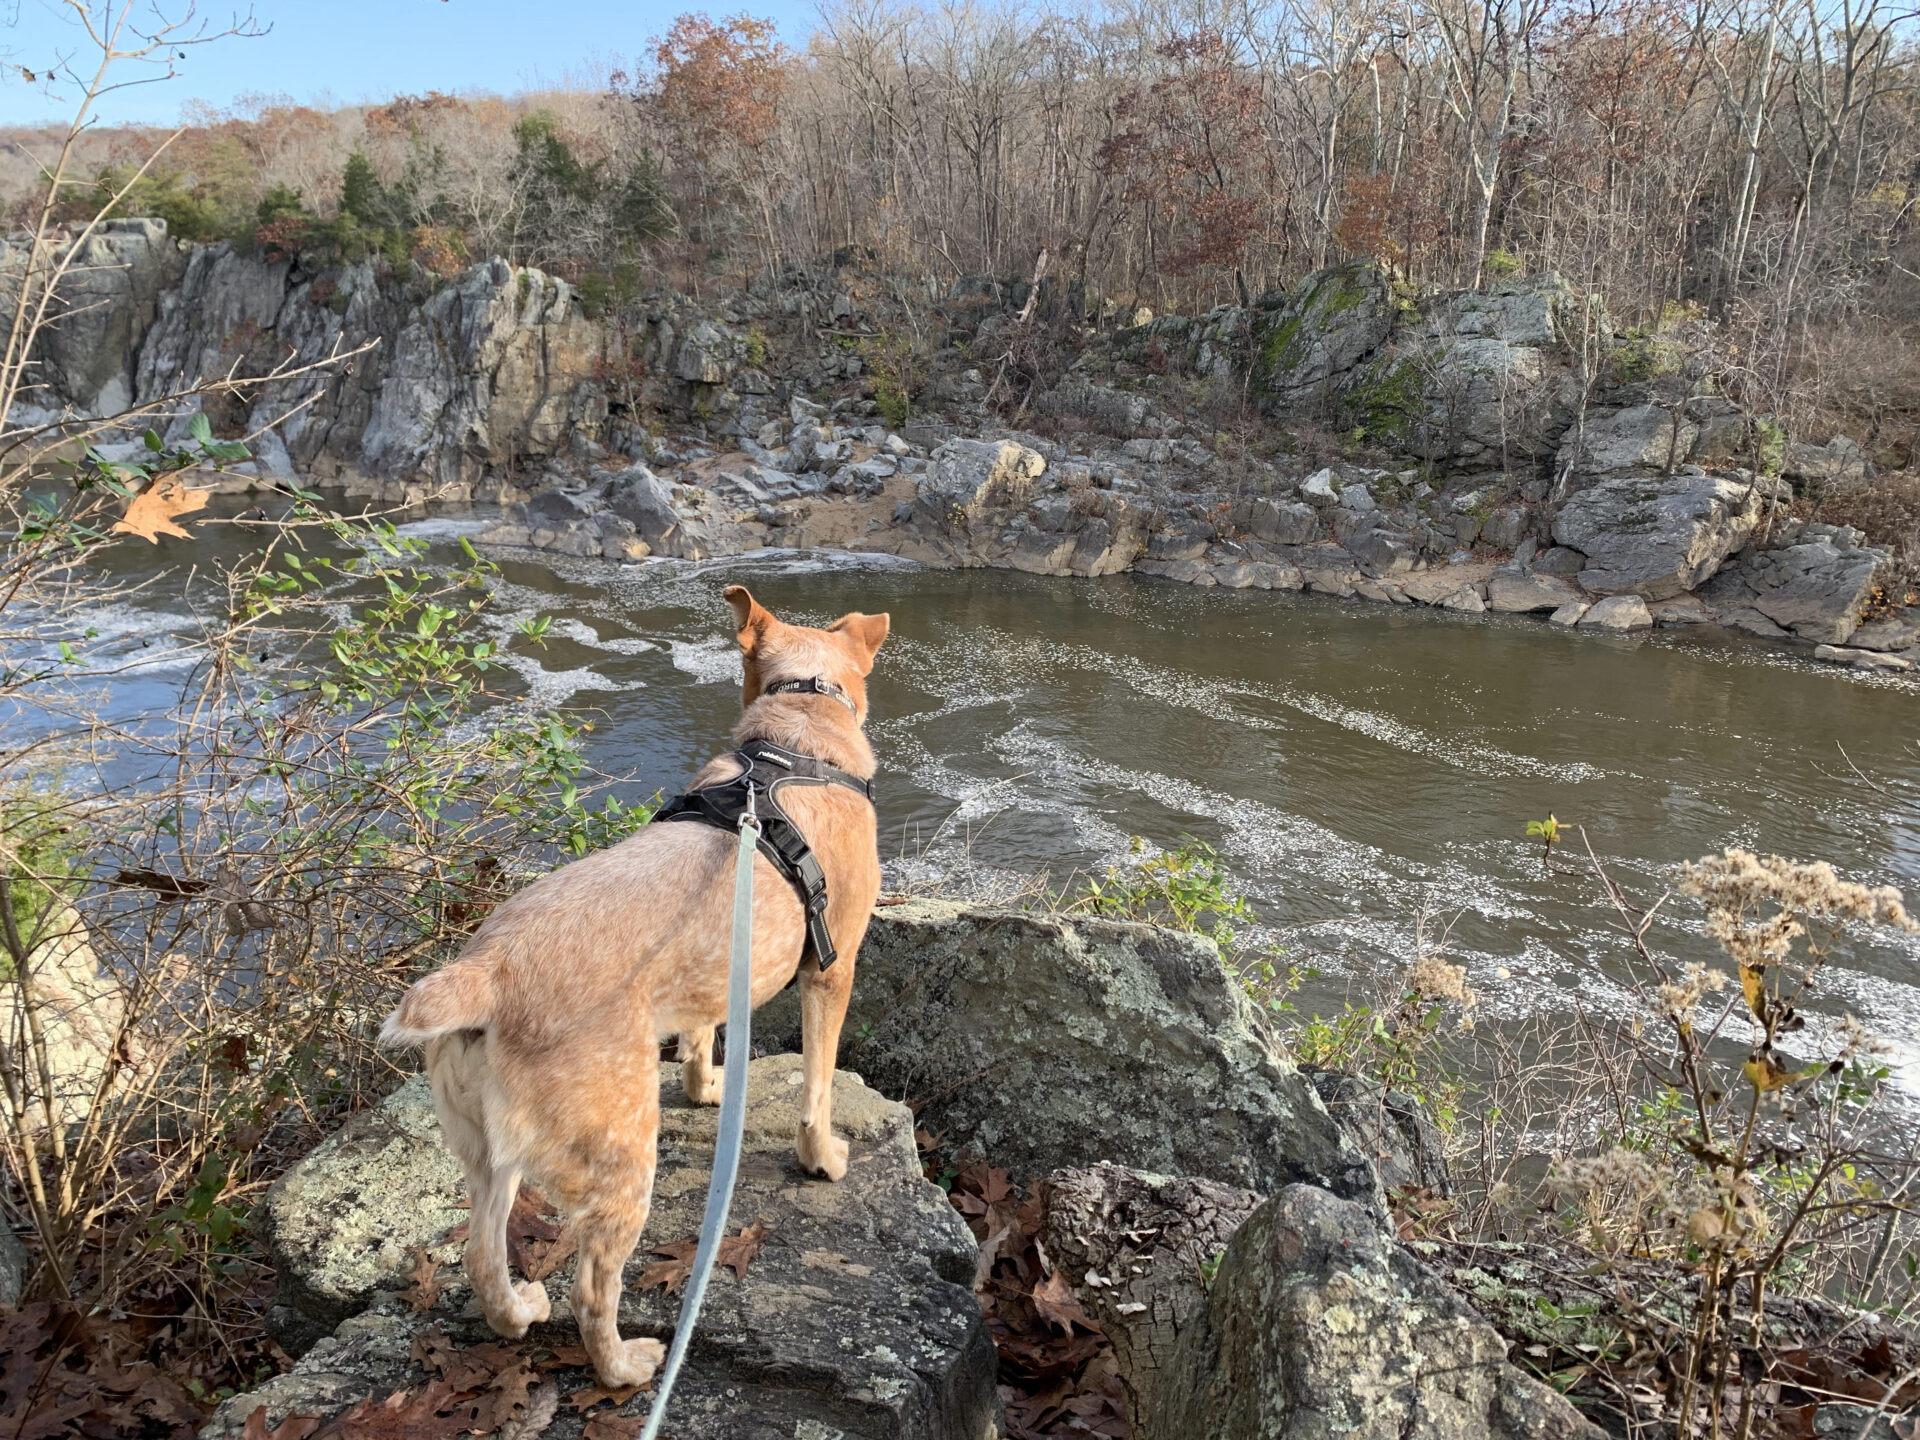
(750, 817)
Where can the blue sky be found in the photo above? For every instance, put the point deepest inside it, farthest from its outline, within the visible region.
(345, 51)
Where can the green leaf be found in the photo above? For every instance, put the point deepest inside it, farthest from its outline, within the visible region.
(200, 427)
(154, 442)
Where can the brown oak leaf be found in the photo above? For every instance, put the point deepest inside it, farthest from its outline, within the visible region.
(151, 513)
(591, 1395)
(736, 1252)
(426, 1286)
(1055, 1303)
(613, 1426)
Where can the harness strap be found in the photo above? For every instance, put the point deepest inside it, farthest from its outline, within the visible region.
(767, 769)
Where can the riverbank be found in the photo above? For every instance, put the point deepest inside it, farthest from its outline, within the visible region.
(1507, 449)
(1682, 551)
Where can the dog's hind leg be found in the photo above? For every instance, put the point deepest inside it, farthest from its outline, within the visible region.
(461, 1072)
(699, 1076)
(823, 1009)
(509, 1308)
(607, 1223)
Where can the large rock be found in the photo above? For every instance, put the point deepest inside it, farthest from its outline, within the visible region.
(973, 475)
(1657, 537)
(81, 1010)
(1332, 325)
(1039, 1042)
(496, 366)
(84, 356)
(1514, 592)
(1815, 589)
(1318, 1325)
(854, 1319)
(1638, 438)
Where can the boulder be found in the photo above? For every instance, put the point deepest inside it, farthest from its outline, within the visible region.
(1617, 612)
(975, 475)
(1134, 1246)
(1897, 630)
(1381, 552)
(1318, 1325)
(855, 1317)
(1657, 537)
(1638, 438)
(1816, 590)
(1837, 462)
(1398, 1136)
(1861, 659)
(1570, 614)
(1014, 1033)
(1285, 522)
(1511, 592)
(1333, 324)
(81, 1010)
(704, 356)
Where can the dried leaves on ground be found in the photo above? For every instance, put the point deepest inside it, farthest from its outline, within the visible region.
(1057, 1374)
(60, 1376)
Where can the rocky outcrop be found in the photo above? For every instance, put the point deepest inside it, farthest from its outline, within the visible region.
(1656, 537)
(854, 1318)
(1014, 1033)
(84, 359)
(1317, 1324)
(1815, 587)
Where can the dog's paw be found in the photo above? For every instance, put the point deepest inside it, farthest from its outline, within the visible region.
(703, 1083)
(633, 1363)
(530, 1307)
(822, 1153)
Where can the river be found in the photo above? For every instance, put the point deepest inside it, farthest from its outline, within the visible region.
(1355, 765)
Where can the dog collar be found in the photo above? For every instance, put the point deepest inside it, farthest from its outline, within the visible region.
(812, 685)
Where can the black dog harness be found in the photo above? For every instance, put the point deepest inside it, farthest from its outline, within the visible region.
(757, 788)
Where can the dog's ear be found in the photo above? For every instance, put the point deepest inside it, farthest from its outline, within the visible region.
(865, 631)
(751, 619)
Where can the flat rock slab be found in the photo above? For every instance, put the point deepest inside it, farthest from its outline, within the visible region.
(854, 1320)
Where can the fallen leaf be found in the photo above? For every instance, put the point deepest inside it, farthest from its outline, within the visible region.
(592, 1395)
(737, 1251)
(541, 1407)
(151, 513)
(426, 1287)
(1055, 1303)
(431, 1350)
(613, 1426)
(294, 1427)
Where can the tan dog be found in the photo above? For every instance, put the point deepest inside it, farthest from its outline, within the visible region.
(543, 1038)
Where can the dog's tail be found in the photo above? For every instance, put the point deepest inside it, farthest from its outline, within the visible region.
(459, 997)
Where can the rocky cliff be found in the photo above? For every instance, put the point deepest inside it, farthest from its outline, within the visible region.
(1522, 456)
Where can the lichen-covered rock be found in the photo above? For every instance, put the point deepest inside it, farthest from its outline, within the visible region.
(1040, 1042)
(1656, 537)
(977, 474)
(854, 1318)
(1318, 1325)
(1335, 322)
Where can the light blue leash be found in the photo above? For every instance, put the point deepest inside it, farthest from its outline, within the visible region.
(733, 1112)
